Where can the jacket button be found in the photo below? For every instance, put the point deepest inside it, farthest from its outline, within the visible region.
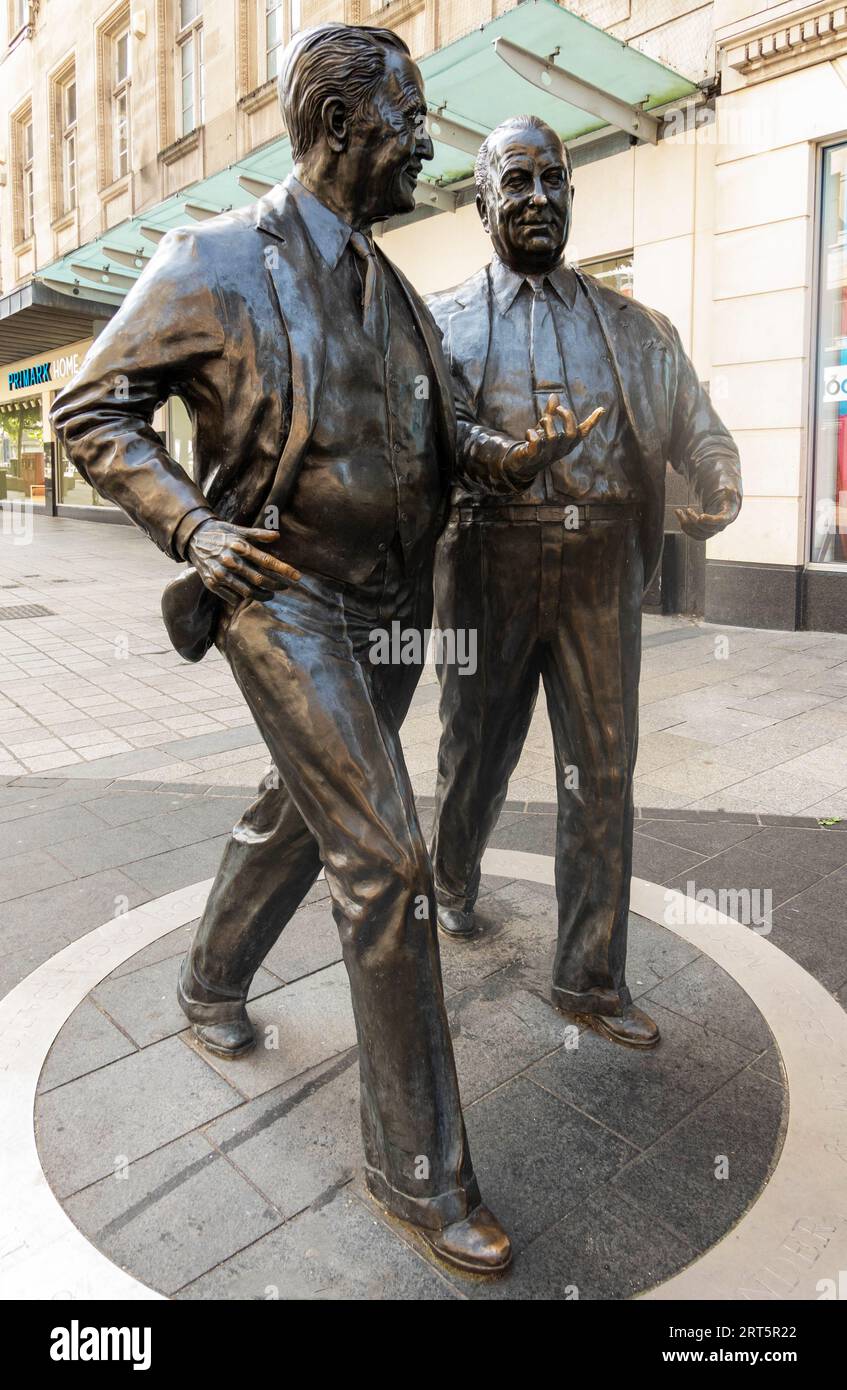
(382, 546)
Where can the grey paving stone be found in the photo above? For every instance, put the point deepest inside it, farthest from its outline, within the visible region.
(338, 1250)
(124, 807)
(144, 1003)
(708, 996)
(810, 928)
(110, 848)
(201, 819)
(640, 1095)
(534, 833)
(309, 942)
(28, 873)
(606, 1249)
(704, 837)
(653, 954)
(200, 745)
(58, 915)
(87, 1041)
(297, 1027)
(120, 764)
(174, 944)
(178, 868)
(179, 1212)
(46, 830)
(520, 923)
(676, 1183)
(498, 1029)
(819, 849)
(537, 1158)
(770, 1065)
(300, 1142)
(659, 862)
(740, 868)
(86, 1129)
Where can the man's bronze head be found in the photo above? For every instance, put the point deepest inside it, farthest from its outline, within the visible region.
(354, 107)
(524, 193)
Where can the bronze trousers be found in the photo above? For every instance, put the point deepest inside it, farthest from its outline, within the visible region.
(563, 607)
(342, 800)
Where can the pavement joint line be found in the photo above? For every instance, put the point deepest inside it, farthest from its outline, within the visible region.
(48, 1257)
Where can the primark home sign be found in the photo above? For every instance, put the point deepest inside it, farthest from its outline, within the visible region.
(58, 369)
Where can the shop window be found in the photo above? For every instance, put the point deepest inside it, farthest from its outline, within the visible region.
(22, 472)
(829, 515)
(615, 272)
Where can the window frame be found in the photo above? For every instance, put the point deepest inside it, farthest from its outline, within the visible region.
(189, 33)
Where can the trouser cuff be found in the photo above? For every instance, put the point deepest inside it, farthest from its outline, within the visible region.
(432, 1212)
(455, 902)
(224, 1010)
(596, 1001)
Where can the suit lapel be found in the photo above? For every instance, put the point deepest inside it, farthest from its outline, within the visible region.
(468, 333)
(432, 342)
(296, 279)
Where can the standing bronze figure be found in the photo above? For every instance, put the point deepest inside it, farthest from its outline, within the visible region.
(551, 570)
(323, 473)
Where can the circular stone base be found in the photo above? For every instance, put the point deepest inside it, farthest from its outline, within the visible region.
(612, 1169)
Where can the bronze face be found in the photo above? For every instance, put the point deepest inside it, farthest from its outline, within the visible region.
(527, 207)
(374, 155)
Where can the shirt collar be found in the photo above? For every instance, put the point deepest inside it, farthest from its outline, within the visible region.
(506, 283)
(328, 232)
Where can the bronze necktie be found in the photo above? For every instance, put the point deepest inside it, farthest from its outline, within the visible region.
(374, 295)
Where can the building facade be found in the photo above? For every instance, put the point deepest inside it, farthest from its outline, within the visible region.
(117, 121)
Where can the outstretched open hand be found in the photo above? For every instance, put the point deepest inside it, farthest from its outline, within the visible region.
(721, 509)
(553, 438)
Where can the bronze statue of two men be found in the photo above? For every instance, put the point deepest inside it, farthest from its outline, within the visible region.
(327, 486)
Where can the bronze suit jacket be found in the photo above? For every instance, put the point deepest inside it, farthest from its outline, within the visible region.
(207, 321)
(672, 419)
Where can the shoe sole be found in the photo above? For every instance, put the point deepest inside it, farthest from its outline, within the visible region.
(460, 935)
(606, 1033)
(464, 1266)
(224, 1052)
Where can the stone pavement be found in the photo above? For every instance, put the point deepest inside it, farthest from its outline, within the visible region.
(207, 1179)
(731, 719)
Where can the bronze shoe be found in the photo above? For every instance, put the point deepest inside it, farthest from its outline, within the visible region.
(456, 923)
(476, 1245)
(233, 1039)
(632, 1028)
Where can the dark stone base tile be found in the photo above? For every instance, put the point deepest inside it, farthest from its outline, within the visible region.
(338, 1250)
(607, 1248)
(814, 849)
(810, 929)
(709, 997)
(653, 954)
(741, 868)
(706, 839)
(300, 1142)
(770, 1065)
(498, 1029)
(87, 1042)
(297, 1028)
(178, 1212)
(659, 862)
(536, 834)
(676, 1181)
(519, 922)
(31, 873)
(640, 1095)
(145, 1006)
(178, 868)
(174, 945)
(537, 1158)
(90, 1127)
(309, 942)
